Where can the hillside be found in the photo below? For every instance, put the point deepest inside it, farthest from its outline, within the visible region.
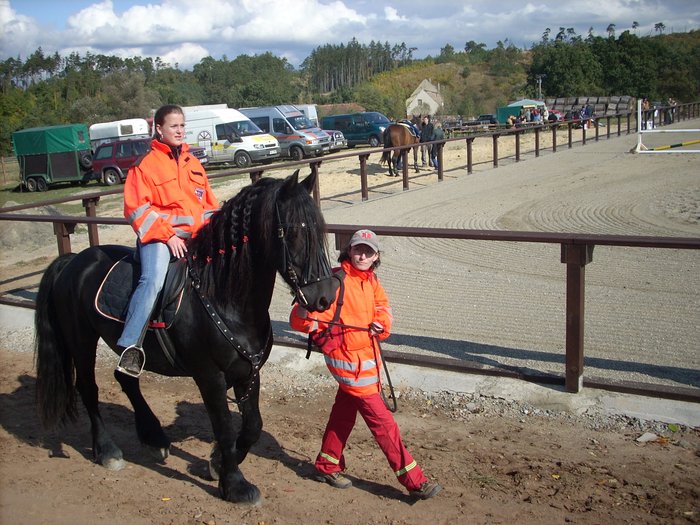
(467, 90)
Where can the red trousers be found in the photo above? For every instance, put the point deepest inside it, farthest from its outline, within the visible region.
(384, 429)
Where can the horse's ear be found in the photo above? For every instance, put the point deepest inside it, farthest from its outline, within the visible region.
(291, 181)
(309, 182)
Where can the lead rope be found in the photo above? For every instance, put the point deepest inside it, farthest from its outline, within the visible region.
(392, 395)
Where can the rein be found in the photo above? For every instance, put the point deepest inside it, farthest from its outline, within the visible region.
(296, 283)
(377, 349)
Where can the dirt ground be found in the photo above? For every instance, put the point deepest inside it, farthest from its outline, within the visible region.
(498, 461)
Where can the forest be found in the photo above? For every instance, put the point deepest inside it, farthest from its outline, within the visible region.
(44, 89)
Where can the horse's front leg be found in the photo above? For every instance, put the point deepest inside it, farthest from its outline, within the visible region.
(415, 159)
(148, 428)
(232, 485)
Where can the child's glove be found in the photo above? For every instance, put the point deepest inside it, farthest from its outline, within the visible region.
(375, 328)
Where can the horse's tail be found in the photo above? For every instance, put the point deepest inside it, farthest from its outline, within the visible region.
(55, 393)
(386, 156)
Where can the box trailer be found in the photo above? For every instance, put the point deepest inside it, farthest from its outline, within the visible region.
(53, 154)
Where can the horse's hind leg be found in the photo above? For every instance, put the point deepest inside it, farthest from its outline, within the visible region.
(148, 427)
(105, 451)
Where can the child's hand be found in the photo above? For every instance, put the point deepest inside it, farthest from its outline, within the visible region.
(375, 329)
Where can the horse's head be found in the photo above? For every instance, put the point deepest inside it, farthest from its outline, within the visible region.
(301, 231)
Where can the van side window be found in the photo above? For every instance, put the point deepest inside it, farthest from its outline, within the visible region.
(279, 125)
(226, 131)
(342, 123)
(263, 123)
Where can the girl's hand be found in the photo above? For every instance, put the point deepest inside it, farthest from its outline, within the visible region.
(375, 329)
(177, 246)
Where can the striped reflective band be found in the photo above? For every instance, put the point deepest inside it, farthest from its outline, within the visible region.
(329, 458)
(340, 364)
(363, 381)
(408, 467)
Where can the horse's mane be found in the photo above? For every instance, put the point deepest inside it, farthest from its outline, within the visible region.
(246, 225)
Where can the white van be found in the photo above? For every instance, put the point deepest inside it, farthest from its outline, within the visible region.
(228, 136)
(131, 128)
(297, 136)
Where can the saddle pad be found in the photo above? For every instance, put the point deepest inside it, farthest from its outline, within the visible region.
(112, 299)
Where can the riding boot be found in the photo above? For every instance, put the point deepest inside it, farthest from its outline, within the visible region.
(132, 361)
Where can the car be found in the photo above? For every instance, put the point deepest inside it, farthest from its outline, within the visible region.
(112, 160)
(338, 140)
(359, 128)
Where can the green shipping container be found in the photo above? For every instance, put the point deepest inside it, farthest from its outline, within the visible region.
(53, 154)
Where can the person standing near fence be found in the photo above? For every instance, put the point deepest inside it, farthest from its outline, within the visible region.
(438, 134)
(348, 334)
(426, 135)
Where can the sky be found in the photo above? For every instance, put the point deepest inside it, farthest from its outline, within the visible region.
(182, 32)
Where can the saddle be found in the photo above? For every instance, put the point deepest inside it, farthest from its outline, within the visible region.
(411, 127)
(112, 299)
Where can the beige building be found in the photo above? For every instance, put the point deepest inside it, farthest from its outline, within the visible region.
(425, 100)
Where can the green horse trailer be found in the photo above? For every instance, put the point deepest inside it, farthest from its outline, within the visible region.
(53, 154)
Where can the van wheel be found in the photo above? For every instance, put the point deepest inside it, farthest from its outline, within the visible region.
(242, 159)
(374, 141)
(110, 177)
(30, 184)
(296, 153)
(41, 184)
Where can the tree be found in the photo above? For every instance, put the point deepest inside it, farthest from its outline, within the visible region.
(611, 31)
(659, 28)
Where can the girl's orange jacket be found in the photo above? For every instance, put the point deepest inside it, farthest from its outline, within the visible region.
(165, 197)
(353, 360)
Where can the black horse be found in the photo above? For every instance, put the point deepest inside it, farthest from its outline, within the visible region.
(271, 226)
(398, 135)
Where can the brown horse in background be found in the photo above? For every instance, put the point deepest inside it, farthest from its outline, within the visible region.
(398, 135)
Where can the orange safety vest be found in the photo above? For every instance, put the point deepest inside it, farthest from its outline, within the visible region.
(165, 197)
(350, 356)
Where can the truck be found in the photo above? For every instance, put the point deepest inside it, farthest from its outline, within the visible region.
(297, 136)
(53, 154)
(132, 128)
(228, 136)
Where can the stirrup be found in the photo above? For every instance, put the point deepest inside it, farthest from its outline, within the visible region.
(130, 364)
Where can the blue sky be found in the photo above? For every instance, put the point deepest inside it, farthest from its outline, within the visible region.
(182, 32)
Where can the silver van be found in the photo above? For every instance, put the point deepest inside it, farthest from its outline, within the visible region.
(297, 136)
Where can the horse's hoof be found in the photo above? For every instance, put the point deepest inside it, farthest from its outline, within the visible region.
(114, 464)
(251, 497)
(158, 453)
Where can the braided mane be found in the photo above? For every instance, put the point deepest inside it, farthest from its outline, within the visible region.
(246, 226)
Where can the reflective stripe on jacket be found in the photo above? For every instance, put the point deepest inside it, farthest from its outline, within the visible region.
(353, 363)
(165, 197)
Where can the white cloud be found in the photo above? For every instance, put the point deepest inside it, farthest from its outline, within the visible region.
(392, 15)
(183, 31)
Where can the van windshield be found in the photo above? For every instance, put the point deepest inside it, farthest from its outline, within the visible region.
(376, 118)
(300, 122)
(241, 128)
